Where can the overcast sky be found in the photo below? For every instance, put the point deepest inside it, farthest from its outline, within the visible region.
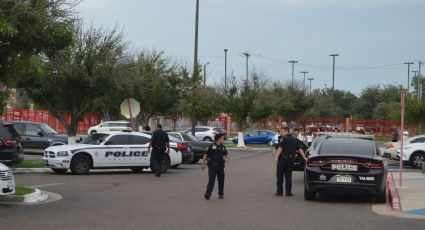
(373, 37)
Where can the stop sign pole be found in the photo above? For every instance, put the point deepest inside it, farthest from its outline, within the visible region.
(131, 116)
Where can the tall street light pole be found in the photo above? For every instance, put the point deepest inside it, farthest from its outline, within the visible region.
(205, 73)
(195, 68)
(225, 71)
(310, 79)
(246, 54)
(333, 70)
(304, 72)
(293, 64)
(408, 75)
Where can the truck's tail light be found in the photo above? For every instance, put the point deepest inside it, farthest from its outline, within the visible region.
(9, 143)
(181, 146)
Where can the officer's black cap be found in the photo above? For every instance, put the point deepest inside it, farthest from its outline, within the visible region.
(218, 136)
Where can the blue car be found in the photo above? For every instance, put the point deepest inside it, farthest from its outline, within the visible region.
(264, 137)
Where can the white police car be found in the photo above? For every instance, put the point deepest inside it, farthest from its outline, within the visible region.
(107, 150)
(7, 182)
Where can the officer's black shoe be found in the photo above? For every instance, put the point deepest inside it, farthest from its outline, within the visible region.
(278, 194)
(207, 196)
(220, 197)
(158, 174)
(289, 194)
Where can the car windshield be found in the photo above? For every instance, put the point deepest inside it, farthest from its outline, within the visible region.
(47, 129)
(189, 137)
(173, 139)
(95, 139)
(347, 147)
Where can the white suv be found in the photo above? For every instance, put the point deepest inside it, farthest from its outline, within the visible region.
(206, 133)
(7, 182)
(110, 126)
(414, 154)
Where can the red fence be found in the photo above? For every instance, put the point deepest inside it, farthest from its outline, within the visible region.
(43, 116)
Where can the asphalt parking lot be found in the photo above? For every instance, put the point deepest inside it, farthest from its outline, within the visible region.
(125, 200)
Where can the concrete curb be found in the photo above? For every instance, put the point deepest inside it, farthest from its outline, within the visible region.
(393, 198)
(35, 197)
(30, 170)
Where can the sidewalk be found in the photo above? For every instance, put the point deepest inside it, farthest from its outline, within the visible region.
(412, 193)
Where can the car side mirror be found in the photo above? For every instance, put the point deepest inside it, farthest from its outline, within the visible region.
(40, 134)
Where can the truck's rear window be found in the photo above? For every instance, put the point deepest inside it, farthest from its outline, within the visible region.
(8, 132)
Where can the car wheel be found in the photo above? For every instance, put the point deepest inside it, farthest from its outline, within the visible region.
(60, 171)
(208, 139)
(93, 132)
(309, 195)
(165, 164)
(80, 164)
(381, 198)
(270, 143)
(137, 170)
(417, 159)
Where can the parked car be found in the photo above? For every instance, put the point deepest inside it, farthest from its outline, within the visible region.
(263, 137)
(413, 154)
(206, 133)
(346, 165)
(107, 150)
(199, 147)
(36, 137)
(7, 182)
(184, 148)
(110, 126)
(10, 145)
(392, 147)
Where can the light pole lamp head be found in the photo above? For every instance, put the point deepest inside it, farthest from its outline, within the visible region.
(304, 72)
(293, 61)
(225, 50)
(334, 55)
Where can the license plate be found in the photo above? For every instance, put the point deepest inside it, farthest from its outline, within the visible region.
(343, 179)
(344, 167)
(10, 186)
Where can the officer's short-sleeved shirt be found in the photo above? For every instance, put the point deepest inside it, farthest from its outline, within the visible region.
(215, 154)
(159, 139)
(289, 144)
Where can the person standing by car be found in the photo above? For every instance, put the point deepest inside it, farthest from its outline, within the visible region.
(284, 158)
(216, 156)
(310, 138)
(395, 135)
(160, 145)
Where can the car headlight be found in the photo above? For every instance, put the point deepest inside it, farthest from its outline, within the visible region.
(62, 154)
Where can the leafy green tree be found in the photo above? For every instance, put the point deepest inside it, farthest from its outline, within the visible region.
(374, 95)
(33, 27)
(291, 102)
(157, 84)
(70, 81)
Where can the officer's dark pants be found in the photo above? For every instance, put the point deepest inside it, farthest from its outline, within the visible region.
(284, 169)
(214, 172)
(157, 157)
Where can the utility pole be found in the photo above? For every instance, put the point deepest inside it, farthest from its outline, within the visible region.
(333, 70)
(205, 73)
(420, 79)
(195, 68)
(247, 55)
(225, 71)
(416, 78)
(408, 75)
(293, 62)
(310, 79)
(304, 72)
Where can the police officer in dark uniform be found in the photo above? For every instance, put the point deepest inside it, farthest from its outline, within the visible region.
(160, 145)
(284, 158)
(216, 156)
